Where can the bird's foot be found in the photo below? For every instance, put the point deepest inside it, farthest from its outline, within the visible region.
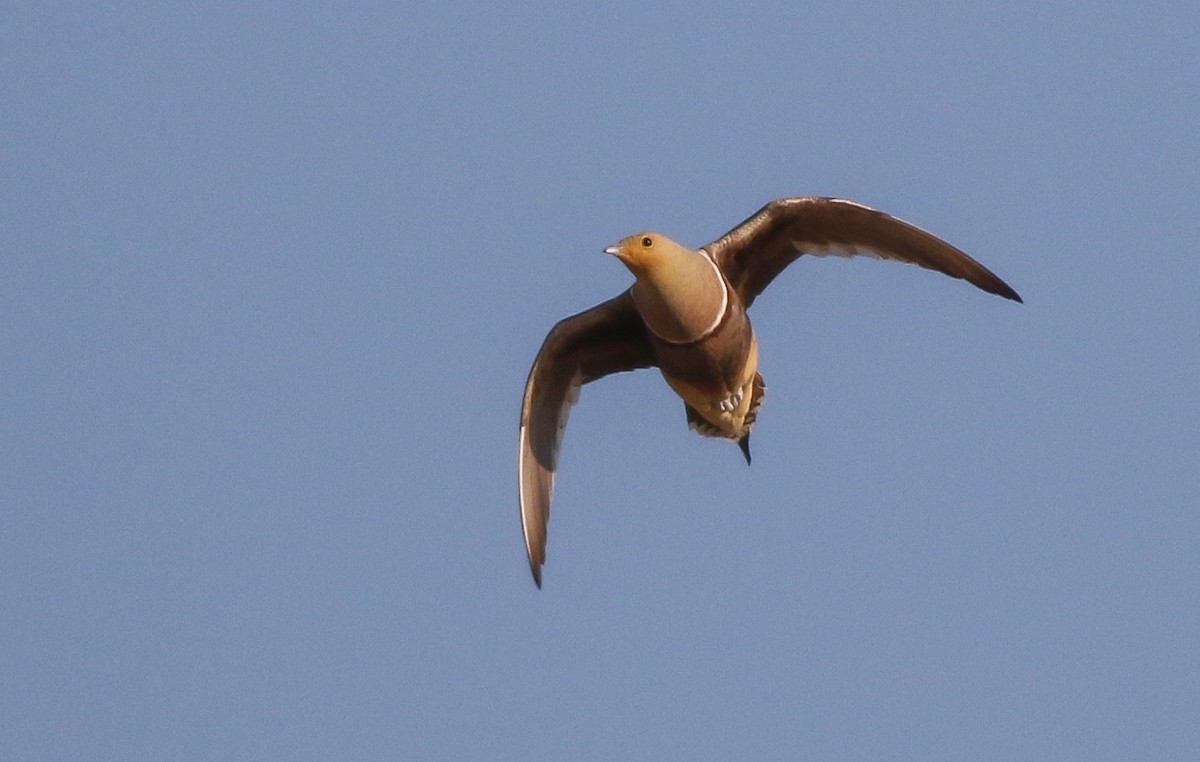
(731, 403)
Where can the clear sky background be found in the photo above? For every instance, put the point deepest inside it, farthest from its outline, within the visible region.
(272, 277)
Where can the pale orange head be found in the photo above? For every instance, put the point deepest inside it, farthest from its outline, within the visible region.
(645, 252)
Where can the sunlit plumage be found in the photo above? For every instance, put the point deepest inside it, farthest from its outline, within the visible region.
(686, 315)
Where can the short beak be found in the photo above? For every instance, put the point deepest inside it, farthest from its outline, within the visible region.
(614, 250)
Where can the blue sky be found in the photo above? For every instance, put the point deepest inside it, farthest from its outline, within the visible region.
(272, 278)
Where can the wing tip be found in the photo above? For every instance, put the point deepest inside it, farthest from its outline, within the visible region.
(1006, 291)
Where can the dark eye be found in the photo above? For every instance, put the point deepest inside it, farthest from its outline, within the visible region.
(647, 242)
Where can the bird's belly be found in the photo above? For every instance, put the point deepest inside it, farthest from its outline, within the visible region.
(718, 386)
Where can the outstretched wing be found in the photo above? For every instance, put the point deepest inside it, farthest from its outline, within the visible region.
(754, 252)
(608, 338)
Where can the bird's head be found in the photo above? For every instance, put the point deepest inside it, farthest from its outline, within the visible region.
(645, 252)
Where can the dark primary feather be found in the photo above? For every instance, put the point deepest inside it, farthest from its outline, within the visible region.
(608, 338)
(757, 250)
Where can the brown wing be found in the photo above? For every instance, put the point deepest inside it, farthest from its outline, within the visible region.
(754, 252)
(608, 338)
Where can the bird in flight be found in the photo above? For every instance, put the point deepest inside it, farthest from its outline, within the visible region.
(686, 315)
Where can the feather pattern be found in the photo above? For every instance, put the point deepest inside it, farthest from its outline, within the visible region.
(608, 338)
(758, 249)
(702, 340)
